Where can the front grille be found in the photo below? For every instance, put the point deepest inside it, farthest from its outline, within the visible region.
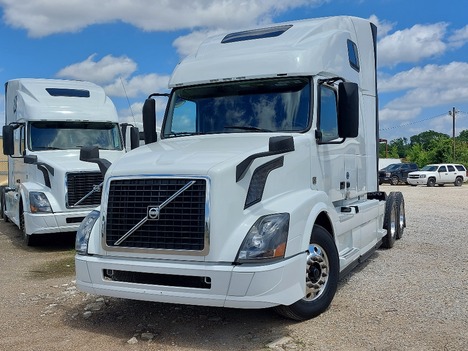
(79, 185)
(180, 225)
(413, 176)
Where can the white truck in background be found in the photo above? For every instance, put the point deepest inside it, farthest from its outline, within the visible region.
(47, 121)
(262, 188)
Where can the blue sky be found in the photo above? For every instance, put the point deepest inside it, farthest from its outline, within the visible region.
(422, 48)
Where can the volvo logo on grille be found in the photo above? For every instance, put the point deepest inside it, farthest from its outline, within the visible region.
(153, 212)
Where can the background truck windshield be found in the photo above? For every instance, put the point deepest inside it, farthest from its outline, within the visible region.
(56, 135)
(274, 105)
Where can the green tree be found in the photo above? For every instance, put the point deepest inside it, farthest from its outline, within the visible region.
(440, 150)
(463, 136)
(400, 147)
(418, 155)
(426, 138)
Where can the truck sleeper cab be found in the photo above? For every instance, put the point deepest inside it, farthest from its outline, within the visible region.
(47, 121)
(261, 188)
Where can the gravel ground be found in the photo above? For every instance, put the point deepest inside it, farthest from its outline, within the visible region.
(412, 297)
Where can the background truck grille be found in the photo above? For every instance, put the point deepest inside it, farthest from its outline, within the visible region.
(79, 185)
(181, 224)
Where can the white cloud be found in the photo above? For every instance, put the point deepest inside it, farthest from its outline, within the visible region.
(114, 74)
(459, 37)
(44, 17)
(391, 115)
(424, 88)
(137, 85)
(188, 44)
(412, 45)
(100, 72)
(440, 76)
(383, 27)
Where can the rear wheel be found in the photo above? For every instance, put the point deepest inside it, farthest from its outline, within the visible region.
(401, 214)
(321, 275)
(390, 221)
(458, 181)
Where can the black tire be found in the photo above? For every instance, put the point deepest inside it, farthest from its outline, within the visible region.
(28, 240)
(458, 181)
(394, 180)
(390, 221)
(322, 274)
(401, 214)
(431, 182)
(3, 205)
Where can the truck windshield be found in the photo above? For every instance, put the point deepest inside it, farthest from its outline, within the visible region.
(273, 105)
(62, 135)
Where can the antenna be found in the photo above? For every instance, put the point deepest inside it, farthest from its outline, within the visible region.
(128, 101)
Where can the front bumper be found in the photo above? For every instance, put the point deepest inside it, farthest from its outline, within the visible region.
(384, 179)
(417, 181)
(243, 286)
(43, 223)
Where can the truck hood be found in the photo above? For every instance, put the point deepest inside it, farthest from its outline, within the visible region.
(190, 155)
(69, 160)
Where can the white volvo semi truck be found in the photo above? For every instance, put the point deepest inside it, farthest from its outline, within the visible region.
(261, 188)
(47, 121)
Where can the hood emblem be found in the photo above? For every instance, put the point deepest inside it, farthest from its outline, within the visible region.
(153, 212)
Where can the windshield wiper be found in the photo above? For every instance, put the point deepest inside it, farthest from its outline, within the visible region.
(47, 148)
(174, 134)
(251, 128)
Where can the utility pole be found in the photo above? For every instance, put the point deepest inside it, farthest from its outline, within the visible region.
(453, 113)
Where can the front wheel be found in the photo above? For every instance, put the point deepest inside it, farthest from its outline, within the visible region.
(431, 182)
(394, 180)
(321, 276)
(29, 240)
(3, 205)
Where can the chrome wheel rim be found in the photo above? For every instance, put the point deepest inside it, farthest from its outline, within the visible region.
(317, 272)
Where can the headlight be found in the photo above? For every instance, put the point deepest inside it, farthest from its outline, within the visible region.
(422, 176)
(388, 175)
(266, 239)
(84, 230)
(38, 202)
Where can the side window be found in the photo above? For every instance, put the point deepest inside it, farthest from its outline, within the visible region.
(353, 55)
(184, 117)
(460, 168)
(451, 168)
(328, 115)
(20, 141)
(442, 169)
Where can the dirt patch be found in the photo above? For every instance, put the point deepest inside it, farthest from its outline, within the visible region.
(412, 297)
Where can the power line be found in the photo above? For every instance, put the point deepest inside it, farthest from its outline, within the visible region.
(424, 120)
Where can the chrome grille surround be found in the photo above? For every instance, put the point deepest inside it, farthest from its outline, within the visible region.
(182, 226)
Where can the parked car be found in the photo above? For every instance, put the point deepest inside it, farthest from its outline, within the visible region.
(396, 173)
(439, 174)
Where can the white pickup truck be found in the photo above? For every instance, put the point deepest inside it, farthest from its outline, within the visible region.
(439, 174)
